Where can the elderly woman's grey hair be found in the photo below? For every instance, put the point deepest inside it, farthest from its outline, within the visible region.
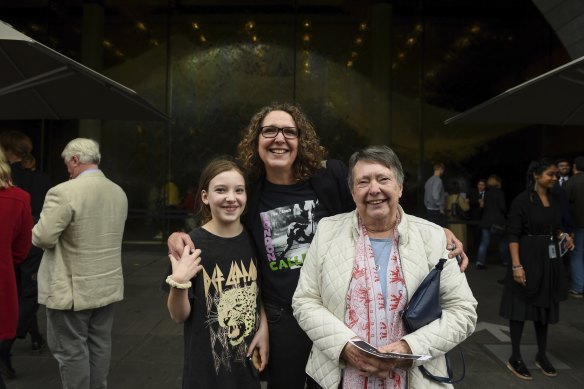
(87, 150)
(380, 154)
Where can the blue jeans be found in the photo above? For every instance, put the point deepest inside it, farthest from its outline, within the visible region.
(577, 261)
(484, 246)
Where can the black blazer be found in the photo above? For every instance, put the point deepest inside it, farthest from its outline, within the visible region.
(37, 184)
(473, 200)
(495, 209)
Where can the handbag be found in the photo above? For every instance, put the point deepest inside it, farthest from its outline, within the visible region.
(423, 308)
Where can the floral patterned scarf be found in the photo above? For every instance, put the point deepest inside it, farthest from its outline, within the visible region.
(366, 313)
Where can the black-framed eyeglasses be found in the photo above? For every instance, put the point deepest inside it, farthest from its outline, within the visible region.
(272, 132)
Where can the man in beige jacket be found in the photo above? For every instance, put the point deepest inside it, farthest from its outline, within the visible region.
(80, 276)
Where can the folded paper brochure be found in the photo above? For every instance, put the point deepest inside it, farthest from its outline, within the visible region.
(362, 345)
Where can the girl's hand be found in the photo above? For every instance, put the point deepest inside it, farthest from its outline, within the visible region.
(187, 266)
(261, 343)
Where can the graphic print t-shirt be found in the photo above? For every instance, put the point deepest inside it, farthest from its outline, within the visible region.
(224, 313)
(289, 215)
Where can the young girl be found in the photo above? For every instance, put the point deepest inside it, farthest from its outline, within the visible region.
(214, 289)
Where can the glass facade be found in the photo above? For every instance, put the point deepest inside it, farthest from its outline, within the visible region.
(364, 71)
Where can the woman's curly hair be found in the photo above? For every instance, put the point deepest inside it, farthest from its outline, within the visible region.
(310, 152)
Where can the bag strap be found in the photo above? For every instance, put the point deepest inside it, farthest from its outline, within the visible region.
(440, 265)
(450, 378)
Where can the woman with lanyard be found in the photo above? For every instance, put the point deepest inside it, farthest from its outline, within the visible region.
(536, 281)
(293, 186)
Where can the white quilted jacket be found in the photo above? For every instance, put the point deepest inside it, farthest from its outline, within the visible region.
(319, 300)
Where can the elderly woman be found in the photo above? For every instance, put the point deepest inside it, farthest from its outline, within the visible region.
(360, 271)
(293, 186)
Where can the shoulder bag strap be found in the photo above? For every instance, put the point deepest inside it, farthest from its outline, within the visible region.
(450, 378)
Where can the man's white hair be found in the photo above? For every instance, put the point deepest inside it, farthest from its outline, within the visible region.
(87, 150)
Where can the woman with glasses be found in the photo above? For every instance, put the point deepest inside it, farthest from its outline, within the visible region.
(293, 186)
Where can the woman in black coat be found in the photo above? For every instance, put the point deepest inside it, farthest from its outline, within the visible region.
(536, 281)
(493, 221)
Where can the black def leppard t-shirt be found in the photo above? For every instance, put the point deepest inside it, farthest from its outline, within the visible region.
(224, 314)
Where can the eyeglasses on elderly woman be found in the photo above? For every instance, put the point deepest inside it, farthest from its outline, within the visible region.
(272, 132)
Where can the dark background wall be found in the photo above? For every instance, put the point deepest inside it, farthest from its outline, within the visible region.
(365, 72)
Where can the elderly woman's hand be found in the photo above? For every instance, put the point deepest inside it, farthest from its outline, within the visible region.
(456, 248)
(402, 347)
(369, 365)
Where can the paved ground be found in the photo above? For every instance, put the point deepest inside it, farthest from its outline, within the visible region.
(147, 351)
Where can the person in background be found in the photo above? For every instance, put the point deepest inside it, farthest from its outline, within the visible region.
(457, 209)
(493, 222)
(434, 196)
(18, 148)
(574, 189)
(80, 278)
(564, 167)
(169, 202)
(535, 282)
(558, 189)
(291, 182)
(188, 206)
(476, 201)
(15, 239)
(359, 273)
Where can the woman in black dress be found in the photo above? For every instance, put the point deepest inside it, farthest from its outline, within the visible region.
(536, 281)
